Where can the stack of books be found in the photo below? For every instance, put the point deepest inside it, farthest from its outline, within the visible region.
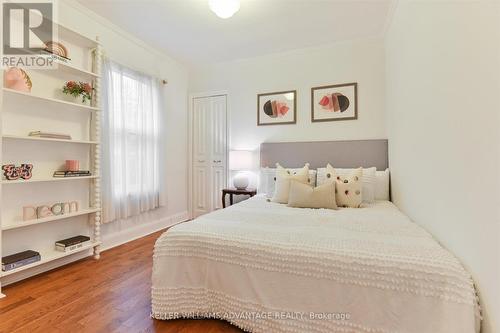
(79, 173)
(72, 243)
(48, 135)
(19, 259)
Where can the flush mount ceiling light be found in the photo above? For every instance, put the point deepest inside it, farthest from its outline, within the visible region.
(224, 8)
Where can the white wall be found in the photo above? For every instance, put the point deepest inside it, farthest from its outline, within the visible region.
(361, 62)
(127, 50)
(443, 85)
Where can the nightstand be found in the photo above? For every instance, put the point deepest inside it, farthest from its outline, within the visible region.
(233, 191)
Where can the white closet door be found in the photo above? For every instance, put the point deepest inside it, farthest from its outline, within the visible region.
(201, 156)
(209, 153)
(218, 149)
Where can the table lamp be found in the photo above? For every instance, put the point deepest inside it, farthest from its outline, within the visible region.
(240, 160)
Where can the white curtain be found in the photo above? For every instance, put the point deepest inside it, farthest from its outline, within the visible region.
(131, 141)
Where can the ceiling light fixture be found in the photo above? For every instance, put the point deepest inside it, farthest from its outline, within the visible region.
(224, 8)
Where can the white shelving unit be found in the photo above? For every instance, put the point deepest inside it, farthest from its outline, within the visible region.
(86, 65)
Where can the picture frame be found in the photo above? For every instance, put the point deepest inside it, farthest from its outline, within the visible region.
(334, 102)
(277, 108)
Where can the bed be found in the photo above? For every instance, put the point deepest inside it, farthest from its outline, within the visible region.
(266, 267)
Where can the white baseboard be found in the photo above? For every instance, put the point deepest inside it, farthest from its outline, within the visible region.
(113, 240)
(117, 239)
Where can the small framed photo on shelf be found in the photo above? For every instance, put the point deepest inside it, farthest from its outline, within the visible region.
(334, 102)
(277, 108)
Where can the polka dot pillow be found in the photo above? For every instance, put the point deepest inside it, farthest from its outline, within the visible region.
(349, 189)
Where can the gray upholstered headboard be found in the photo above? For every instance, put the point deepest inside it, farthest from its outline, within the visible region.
(340, 154)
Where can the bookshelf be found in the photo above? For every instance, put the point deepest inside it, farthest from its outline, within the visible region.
(46, 109)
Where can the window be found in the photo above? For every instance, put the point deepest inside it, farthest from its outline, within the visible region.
(131, 142)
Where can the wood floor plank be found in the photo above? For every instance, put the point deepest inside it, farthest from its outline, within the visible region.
(108, 295)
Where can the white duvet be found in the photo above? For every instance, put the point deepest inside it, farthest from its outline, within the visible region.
(266, 267)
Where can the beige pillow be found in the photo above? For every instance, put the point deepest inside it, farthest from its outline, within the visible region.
(283, 179)
(305, 196)
(349, 189)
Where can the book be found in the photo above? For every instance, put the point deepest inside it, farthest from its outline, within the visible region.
(70, 248)
(72, 241)
(19, 259)
(70, 172)
(21, 263)
(48, 135)
(81, 173)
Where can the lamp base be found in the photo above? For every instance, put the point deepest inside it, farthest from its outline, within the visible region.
(240, 181)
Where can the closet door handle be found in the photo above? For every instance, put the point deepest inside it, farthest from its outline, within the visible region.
(201, 161)
(218, 161)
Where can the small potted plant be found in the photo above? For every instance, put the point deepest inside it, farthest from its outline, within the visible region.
(81, 90)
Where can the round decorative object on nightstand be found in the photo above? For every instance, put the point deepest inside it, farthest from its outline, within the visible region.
(240, 181)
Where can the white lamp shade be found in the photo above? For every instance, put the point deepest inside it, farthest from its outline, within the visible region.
(240, 160)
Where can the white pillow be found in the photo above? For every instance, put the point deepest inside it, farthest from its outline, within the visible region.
(283, 179)
(304, 196)
(368, 179)
(382, 191)
(267, 180)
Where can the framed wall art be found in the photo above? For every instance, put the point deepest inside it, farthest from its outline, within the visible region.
(335, 102)
(277, 108)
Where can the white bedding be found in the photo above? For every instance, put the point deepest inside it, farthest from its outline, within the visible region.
(266, 267)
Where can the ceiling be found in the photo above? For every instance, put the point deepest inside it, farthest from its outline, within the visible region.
(188, 31)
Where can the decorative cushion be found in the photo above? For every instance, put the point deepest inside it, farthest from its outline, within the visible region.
(268, 180)
(382, 185)
(349, 189)
(368, 179)
(305, 196)
(283, 179)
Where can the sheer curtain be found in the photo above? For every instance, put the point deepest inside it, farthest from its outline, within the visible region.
(130, 142)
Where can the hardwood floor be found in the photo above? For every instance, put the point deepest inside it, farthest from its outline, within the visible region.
(108, 295)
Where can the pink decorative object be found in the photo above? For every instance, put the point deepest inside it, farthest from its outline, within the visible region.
(47, 210)
(29, 213)
(17, 79)
(66, 208)
(11, 172)
(57, 49)
(72, 165)
(43, 211)
(74, 207)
